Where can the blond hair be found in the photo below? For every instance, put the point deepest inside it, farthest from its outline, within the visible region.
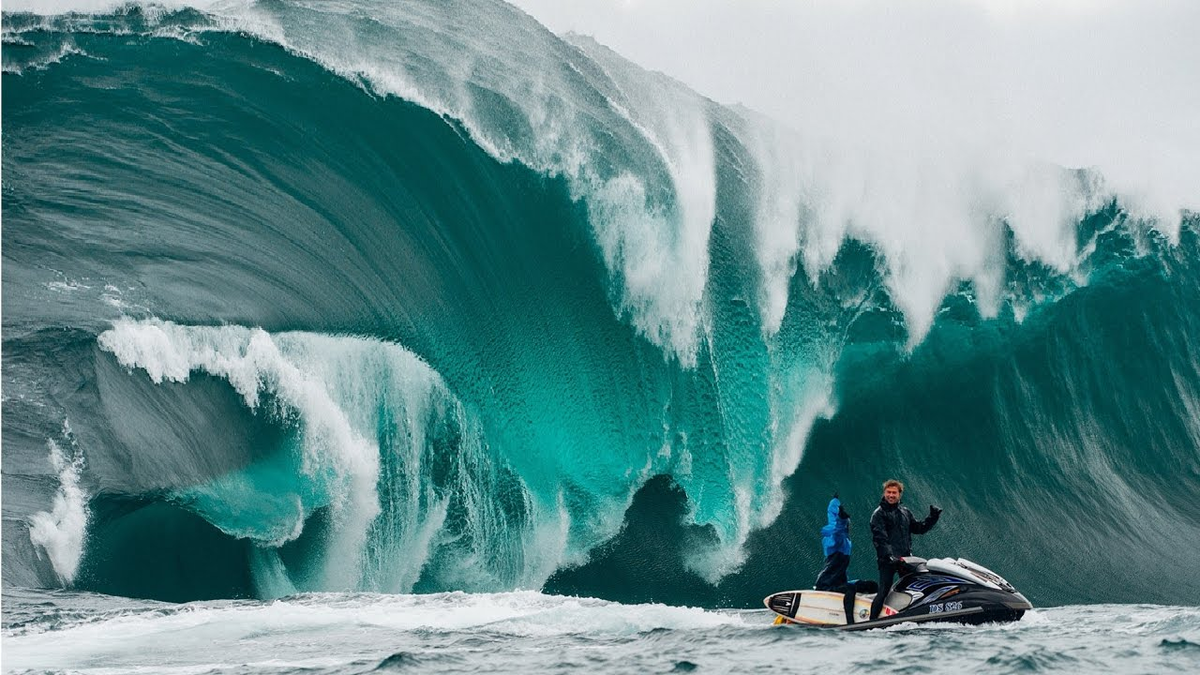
(893, 483)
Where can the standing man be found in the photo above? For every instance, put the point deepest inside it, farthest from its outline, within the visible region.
(892, 527)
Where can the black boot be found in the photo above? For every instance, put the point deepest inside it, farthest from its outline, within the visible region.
(848, 604)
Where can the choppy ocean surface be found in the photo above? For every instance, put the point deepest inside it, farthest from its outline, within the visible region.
(532, 632)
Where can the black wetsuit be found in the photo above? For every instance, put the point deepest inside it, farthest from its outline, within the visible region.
(892, 527)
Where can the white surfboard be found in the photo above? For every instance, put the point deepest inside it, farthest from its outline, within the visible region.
(820, 608)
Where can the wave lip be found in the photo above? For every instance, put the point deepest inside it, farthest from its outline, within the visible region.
(656, 164)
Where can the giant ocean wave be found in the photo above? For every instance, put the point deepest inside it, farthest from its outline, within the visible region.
(422, 297)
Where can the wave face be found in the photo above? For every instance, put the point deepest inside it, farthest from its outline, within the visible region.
(421, 297)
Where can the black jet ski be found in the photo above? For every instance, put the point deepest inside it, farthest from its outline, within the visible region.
(939, 590)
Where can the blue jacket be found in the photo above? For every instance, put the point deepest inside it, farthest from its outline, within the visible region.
(835, 539)
(836, 535)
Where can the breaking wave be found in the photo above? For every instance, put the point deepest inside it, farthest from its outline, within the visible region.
(421, 298)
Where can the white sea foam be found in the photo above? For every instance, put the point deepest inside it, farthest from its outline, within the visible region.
(933, 201)
(663, 261)
(251, 361)
(66, 286)
(65, 50)
(522, 632)
(308, 630)
(781, 207)
(791, 435)
(61, 531)
(516, 613)
(654, 244)
(345, 394)
(920, 128)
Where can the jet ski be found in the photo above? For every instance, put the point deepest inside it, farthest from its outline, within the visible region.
(943, 590)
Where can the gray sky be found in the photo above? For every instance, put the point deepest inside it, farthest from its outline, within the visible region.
(1105, 83)
(1111, 84)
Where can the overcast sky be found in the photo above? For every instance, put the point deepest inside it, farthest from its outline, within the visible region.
(1106, 83)
(1112, 84)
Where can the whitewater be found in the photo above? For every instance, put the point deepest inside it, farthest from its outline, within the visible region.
(356, 336)
(530, 632)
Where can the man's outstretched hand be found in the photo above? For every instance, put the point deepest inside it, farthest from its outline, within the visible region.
(934, 511)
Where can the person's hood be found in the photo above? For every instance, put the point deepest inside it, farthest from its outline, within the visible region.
(831, 512)
(835, 536)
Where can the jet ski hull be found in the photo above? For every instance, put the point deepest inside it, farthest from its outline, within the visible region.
(972, 607)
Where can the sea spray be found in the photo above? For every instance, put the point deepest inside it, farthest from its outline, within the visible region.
(379, 441)
(61, 532)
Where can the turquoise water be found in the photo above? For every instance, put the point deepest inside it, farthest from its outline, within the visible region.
(421, 298)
